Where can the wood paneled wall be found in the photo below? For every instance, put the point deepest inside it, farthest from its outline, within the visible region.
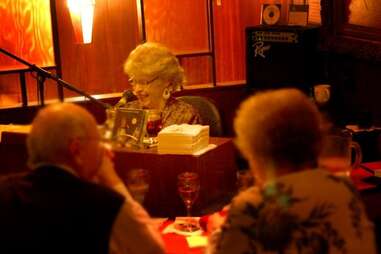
(184, 28)
(25, 31)
(95, 68)
(98, 67)
(180, 25)
(231, 19)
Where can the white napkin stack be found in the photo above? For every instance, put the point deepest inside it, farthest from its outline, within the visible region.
(183, 139)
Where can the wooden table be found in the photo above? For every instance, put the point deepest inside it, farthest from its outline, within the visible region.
(216, 169)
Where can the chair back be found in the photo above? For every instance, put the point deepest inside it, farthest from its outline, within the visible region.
(208, 112)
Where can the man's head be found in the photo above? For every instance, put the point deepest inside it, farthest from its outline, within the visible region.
(279, 128)
(65, 134)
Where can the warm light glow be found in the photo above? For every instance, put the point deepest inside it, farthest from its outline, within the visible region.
(82, 15)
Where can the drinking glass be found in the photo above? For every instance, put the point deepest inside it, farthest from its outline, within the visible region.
(188, 186)
(108, 125)
(322, 93)
(138, 183)
(154, 123)
(340, 154)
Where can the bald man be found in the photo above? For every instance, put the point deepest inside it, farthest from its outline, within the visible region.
(57, 207)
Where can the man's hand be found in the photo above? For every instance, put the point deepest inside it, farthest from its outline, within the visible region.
(106, 173)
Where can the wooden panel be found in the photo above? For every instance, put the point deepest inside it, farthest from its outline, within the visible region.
(314, 12)
(10, 92)
(95, 68)
(98, 67)
(231, 19)
(364, 13)
(26, 32)
(181, 25)
(197, 70)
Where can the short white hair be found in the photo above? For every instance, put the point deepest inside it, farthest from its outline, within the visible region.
(152, 60)
(52, 130)
(281, 127)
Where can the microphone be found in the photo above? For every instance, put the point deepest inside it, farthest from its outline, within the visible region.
(127, 96)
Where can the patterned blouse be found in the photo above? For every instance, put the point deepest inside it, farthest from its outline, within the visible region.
(305, 212)
(174, 112)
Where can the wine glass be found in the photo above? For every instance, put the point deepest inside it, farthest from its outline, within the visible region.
(188, 186)
(138, 183)
(154, 124)
(108, 125)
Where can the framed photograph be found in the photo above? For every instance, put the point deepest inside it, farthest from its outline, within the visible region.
(130, 126)
(352, 27)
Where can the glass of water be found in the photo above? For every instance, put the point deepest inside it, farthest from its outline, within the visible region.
(138, 183)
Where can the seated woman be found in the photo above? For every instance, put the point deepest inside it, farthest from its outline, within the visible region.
(155, 74)
(294, 207)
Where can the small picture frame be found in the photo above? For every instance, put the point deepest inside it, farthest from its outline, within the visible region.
(130, 127)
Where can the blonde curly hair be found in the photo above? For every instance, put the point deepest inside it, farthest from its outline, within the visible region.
(152, 60)
(281, 127)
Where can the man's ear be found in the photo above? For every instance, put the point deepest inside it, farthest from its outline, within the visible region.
(74, 146)
(75, 150)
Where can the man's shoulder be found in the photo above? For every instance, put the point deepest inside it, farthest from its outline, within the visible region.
(101, 191)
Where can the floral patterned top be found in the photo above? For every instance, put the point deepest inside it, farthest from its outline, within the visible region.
(174, 112)
(310, 212)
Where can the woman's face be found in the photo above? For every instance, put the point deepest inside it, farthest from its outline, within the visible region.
(150, 93)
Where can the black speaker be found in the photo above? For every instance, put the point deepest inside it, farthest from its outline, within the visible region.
(282, 56)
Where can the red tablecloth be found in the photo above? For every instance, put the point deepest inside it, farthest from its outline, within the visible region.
(358, 175)
(369, 187)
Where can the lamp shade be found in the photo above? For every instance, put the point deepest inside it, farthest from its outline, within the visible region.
(82, 16)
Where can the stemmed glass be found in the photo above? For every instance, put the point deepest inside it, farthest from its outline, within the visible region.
(188, 186)
(108, 125)
(154, 123)
(138, 183)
